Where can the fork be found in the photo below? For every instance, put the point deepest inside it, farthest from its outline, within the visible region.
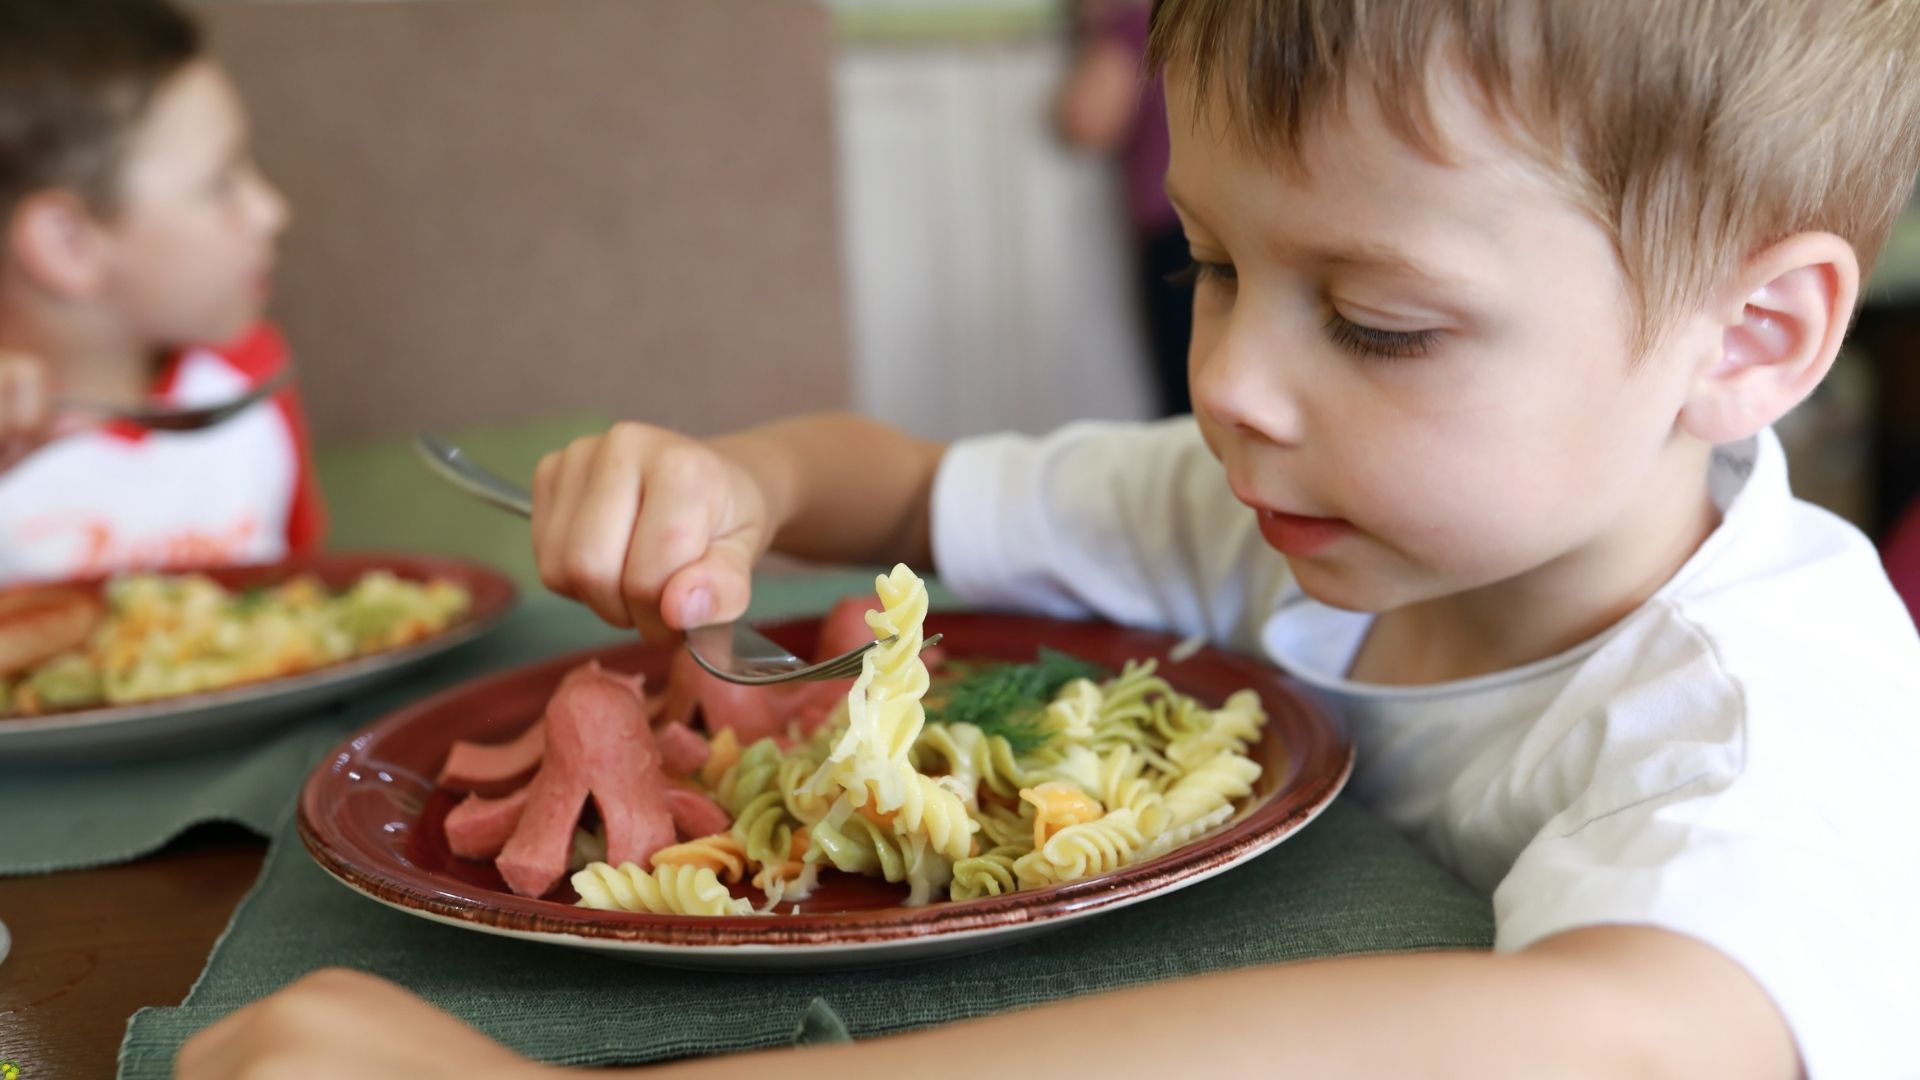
(732, 651)
(175, 418)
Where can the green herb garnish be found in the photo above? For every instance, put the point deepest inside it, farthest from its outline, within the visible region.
(251, 599)
(1007, 699)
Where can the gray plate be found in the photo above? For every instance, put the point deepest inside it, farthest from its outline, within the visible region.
(165, 726)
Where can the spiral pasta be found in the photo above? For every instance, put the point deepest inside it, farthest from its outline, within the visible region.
(1106, 773)
(670, 890)
(721, 853)
(989, 874)
(973, 758)
(1082, 850)
(1223, 778)
(870, 763)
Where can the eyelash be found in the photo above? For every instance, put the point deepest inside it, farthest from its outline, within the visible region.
(1198, 273)
(1379, 344)
(1360, 340)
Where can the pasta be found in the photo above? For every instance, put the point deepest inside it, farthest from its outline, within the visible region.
(670, 890)
(1103, 772)
(725, 856)
(168, 635)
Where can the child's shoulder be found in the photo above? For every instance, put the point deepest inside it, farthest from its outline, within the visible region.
(1790, 635)
(1783, 628)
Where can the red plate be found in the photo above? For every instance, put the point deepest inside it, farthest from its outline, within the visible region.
(169, 724)
(371, 816)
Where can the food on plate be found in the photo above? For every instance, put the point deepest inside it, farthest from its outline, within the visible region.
(38, 623)
(164, 635)
(726, 800)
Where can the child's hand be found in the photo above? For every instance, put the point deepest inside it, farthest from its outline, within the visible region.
(649, 528)
(26, 407)
(344, 1023)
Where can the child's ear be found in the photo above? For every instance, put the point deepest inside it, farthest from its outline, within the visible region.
(57, 243)
(1781, 320)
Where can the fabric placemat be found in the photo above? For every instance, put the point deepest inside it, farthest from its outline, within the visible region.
(1346, 884)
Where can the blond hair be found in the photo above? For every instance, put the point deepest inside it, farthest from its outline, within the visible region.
(1696, 131)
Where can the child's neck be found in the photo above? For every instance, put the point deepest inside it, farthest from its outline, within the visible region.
(1556, 606)
(87, 355)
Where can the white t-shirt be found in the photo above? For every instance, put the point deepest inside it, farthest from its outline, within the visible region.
(1730, 762)
(115, 499)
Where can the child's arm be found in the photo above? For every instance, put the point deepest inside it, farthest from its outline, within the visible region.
(654, 529)
(1606, 1002)
(1610, 1001)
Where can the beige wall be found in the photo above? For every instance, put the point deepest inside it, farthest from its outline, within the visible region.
(506, 208)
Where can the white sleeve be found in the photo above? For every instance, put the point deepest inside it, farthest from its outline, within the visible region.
(1130, 522)
(1744, 829)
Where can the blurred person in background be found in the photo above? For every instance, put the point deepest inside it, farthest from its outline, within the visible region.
(1108, 105)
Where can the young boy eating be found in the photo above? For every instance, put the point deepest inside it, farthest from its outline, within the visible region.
(135, 262)
(1494, 307)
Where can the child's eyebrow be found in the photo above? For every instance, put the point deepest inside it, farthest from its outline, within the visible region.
(1356, 254)
(1365, 255)
(1173, 196)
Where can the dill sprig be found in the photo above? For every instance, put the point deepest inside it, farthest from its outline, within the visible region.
(1007, 699)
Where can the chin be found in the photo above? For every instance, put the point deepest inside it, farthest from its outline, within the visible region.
(225, 330)
(1349, 589)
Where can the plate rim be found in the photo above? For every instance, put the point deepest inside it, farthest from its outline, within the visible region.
(824, 934)
(648, 948)
(470, 627)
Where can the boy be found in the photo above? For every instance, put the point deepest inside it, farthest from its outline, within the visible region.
(1494, 307)
(137, 234)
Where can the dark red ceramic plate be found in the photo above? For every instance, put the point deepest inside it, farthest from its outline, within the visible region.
(191, 719)
(372, 817)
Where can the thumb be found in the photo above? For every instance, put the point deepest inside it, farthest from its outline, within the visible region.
(714, 588)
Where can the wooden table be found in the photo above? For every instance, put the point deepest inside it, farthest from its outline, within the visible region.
(92, 946)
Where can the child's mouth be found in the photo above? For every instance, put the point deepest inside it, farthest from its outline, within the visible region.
(1293, 534)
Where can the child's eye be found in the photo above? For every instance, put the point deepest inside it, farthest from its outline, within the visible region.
(1379, 344)
(1198, 272)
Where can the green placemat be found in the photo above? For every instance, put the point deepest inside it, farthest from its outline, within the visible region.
(66, 818)
(1347, 884)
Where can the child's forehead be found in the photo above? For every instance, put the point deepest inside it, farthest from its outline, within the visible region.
(1449, 119)
(1359, 155)
(192, 115)
(1482, 232)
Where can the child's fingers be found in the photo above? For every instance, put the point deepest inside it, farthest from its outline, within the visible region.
(715, 588)
(678, 514)
(12, 450)
(554, 546)
(546, 490)
(23, 397)
(589, 554)
(600, 534)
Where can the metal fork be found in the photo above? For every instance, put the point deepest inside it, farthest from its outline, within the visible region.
(175, 417)
(732, 651)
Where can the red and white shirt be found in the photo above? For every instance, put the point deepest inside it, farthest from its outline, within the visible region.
(120, 498)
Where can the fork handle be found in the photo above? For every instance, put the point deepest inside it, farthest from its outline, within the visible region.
(460, 470)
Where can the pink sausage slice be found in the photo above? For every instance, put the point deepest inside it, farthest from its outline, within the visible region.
(682, 750)
(479, 827)
(599, 743)
(493, 767)
(695, 815)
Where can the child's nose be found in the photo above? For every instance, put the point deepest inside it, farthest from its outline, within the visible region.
(1241, 380)
(272, 211)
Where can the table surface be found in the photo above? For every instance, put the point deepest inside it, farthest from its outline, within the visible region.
(92, 946)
